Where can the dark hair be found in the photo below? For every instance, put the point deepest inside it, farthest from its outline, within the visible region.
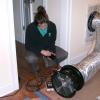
(41, 16)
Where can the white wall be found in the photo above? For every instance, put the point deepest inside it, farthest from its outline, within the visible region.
(8, 66)
(35, 5)
(78, 46)
(71, 38)
(19, 18)
(53, 10)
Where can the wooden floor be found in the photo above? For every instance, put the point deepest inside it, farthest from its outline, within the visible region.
(25, 74)
(89, 92)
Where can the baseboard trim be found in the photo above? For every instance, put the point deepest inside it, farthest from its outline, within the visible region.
(5, 90)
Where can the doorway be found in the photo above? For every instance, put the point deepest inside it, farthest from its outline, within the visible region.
(23, 15)
(24, 11)
(18, 29)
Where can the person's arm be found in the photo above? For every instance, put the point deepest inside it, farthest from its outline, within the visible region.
(29, 42)
(52, 47)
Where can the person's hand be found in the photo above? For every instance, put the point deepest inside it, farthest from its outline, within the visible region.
(47, 53)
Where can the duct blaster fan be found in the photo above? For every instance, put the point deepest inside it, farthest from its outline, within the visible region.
(70, 78)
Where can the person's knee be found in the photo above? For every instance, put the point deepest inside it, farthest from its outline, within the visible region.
(66, 54)
(31, 59)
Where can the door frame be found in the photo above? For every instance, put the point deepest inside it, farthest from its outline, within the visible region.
(22, 17)
(11, 86)
(65, 27)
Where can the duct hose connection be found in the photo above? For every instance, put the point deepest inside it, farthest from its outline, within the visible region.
(71, 78)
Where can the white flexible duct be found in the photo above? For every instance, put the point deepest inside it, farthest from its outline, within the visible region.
(69, 78)
(91, 64)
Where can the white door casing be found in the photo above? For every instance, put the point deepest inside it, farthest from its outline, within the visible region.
(65, 27)
(8, 62)
(27, 15)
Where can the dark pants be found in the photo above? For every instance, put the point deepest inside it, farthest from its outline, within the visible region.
(33, 59)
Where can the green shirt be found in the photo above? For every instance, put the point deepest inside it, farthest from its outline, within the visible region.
(43, 32)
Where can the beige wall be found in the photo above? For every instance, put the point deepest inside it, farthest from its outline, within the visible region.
(53, 10)
(75, 42)
(78, 46)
